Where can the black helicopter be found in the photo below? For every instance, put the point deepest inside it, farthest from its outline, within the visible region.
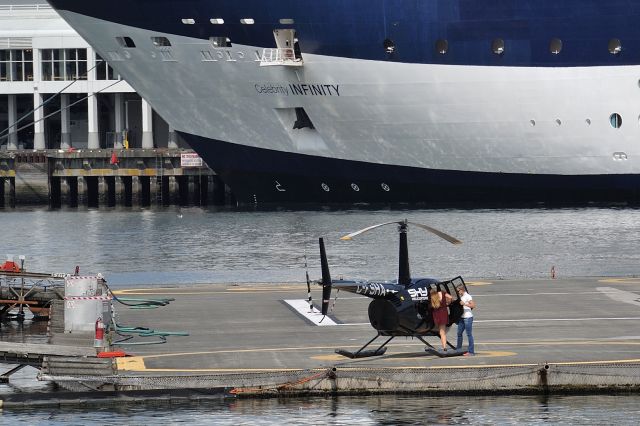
(398, 308)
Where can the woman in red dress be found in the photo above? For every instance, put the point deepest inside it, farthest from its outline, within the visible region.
(439, 301)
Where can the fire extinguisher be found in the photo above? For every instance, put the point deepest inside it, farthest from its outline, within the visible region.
(99, 339)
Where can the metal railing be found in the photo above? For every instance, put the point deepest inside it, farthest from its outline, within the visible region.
(282, 56)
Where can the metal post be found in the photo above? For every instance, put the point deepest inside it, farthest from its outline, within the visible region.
(21, 308)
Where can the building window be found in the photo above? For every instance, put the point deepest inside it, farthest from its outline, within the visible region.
(104, 70)
(16, 65)
(64, 64)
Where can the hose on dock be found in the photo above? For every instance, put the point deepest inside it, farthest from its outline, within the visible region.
(137, 303)
(143, 332)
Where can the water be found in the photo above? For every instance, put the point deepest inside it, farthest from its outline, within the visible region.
(180, 246)
(183, 246)
(372, 410)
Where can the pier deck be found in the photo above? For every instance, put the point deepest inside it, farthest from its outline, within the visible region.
(531, 335)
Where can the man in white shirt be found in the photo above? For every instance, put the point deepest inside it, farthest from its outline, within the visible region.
(465, 323)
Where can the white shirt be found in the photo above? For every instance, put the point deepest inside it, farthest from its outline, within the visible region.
(466, 298)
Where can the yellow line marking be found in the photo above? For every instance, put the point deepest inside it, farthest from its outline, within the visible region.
(131, 363)
(620, 280)
(478, 283)
(479, 354)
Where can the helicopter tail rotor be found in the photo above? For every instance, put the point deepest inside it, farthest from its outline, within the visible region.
(326, 278)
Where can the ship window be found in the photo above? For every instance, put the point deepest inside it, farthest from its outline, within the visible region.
(389, 46)
(188, 21)
(220, 41)
(247, 21)
(160, 41)
(442, 46)
(287, 21)
(216, 21)
(615, 46)
(615, 120)
(126, 42)
(555, 46)
(497, 46)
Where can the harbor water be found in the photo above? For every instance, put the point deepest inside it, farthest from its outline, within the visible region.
(174, 247)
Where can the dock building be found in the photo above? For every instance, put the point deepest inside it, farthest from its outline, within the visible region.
(58, 96)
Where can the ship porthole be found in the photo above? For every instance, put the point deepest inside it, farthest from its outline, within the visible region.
(555, 46)
(355, 187)
(533, 123)
(497, 46)
(558, 122)
(615, 46)
(442, 46)
(389, 46)
(588, 121)
(616, 120)
(385, 187)
(325, 187)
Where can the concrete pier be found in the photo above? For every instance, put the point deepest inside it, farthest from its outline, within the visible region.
(108, 178)
(532, 336)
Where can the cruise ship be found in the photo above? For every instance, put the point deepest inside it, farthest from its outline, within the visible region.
(367, 101)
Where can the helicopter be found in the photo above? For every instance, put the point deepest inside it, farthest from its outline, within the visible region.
(401, 307)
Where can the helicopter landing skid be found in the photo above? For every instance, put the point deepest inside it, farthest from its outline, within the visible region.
(361, 353)
(443, 353)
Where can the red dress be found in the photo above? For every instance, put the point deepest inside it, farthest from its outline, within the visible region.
(441, 315)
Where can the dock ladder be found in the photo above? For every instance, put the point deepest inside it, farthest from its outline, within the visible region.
(159, 178)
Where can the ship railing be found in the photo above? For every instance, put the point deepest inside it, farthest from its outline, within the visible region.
(280, 56)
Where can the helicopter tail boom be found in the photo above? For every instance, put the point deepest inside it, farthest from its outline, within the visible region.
(326, 278)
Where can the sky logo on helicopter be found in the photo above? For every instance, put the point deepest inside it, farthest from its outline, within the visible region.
(419, 294)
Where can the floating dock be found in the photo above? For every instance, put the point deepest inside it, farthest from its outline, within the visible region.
(531, 336)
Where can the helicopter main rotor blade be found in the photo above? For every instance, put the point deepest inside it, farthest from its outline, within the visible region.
(368, 228)
(440, 234)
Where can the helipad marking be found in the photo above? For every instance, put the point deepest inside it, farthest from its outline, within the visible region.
(620, 280)
(302, 308)
(620, 295)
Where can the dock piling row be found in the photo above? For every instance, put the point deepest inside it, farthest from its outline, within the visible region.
(107, 178)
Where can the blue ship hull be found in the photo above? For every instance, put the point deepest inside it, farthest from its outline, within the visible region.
(357, 28)
(518, 152)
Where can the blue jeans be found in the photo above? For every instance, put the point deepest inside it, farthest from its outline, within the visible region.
(465, 324)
